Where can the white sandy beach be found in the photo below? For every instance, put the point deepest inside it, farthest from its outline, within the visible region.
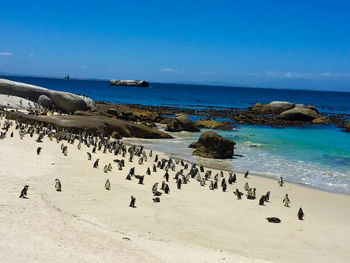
(86, 223)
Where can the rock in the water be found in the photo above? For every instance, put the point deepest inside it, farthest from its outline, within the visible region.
(174, 126)
(64, 101)
(299, 114)
(213, 124)
(45, 101)
(193, 145)
(277, 107)
(134, 83)
(186, 123)
(212, 145)
(347, 127)
(321, 120)
(93, 124)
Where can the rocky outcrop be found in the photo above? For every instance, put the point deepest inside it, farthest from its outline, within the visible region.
(133, 83)
(181, 123)
(14, 102)
(347, 127)
(321, 120)
(299, 114)
(212, 145)
(274, 107)
(93, 124)
(63, 101)
(213, 124)
(46, 102)
(174, 126)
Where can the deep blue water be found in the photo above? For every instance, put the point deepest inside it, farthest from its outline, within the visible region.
(189, 95)
(316, 156)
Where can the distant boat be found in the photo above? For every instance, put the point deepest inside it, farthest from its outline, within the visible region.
(67, 77)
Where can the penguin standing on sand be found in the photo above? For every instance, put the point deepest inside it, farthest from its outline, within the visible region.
(132, 201)
(286, 201)
(246, 174)
(246, 186)
(89, 156)
(108, 185)
(301, 214)
(280, 181)
(58, 185)
(96, 163)
(38, 151)
(24, 192)
(262, 200)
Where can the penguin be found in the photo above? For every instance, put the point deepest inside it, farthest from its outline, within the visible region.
(246, 186)
(105, 169)
(273, 219)
(224, 186)
(286, 201)
(262, 200)
(280, 181)
(132, 201)
(246, 174)
(179, 182)
(211, 186)
(238, 194)
(96, 163)
(216, 185)
(156, 200)
(58, 185)
(108, 185)
(24, 192)
(166, 189)
(301, 214)
(148, 172)
(267, 196)
(38, 151)
(89, 156)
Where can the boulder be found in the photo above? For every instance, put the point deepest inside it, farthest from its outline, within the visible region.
(173, 126)
(193, 145)
(64, 101)
(321, 120)
(93, 124)
(45, 101)
(14, 102)
(68, 102)
(212, 145)
(277, 107)
(347, 127)
(134, 83)
(213, 124)
(299, 114)
(186, 123)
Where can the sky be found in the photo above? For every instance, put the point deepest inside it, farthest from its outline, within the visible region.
(262, 43)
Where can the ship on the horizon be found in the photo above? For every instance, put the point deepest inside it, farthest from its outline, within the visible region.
(67, 77)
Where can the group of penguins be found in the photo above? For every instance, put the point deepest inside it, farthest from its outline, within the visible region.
(101, 143)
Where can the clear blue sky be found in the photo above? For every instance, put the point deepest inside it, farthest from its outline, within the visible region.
(287, 44)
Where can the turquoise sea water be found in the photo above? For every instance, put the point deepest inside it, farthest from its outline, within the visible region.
(318, 156)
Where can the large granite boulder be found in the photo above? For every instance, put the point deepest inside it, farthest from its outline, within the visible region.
(299, 114)
(181, 123)
(214, 124)
(174, 126)
(186, 123)
(277, 107)
(64, 101)
(45, 101)
(93, 124)
(212, 145)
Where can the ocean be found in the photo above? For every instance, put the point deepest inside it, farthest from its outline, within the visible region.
(313, 156)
